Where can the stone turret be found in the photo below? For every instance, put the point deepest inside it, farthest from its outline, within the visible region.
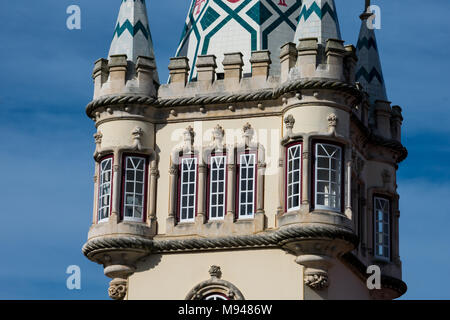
(124, 139)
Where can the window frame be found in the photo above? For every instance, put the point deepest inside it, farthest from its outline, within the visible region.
(145, 188)
(286, 173)
(179, 195)
(341, 208)
(208, 187)
(238, 182)
(100, 185)
(389, 223)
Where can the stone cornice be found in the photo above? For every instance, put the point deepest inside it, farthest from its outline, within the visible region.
(267, 94)
(267, 239)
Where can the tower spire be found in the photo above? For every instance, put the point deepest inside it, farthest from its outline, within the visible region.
(368, 70)
(132, 33)
(318, 19)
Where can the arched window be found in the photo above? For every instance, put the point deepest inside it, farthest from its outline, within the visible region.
(328, 177)
(134, 188)
(188, 188)
(217, 186)
(293, 176)
(382, 229)
(105, 189)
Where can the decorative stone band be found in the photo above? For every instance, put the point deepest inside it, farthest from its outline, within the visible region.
(265, 239)
(267, 94)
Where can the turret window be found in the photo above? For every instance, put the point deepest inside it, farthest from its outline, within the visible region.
(293, 179)
(188, 189)
(382, 228)
(134, 188)
(247, 184)
(217, 187)
(105, 184)
(328, 177)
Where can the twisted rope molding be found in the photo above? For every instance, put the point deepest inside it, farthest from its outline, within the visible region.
(260, 95)
(267, 239)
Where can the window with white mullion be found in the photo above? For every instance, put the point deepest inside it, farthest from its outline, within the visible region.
(104, 196)
(188, 189)
(217, 188)
(328, 177)
(247, 175)
(134, 188)
(294, 158)
(382, 228)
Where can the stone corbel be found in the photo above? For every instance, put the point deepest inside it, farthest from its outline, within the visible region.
(316, 270)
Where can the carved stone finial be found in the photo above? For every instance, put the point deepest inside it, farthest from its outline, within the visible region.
(189, 136)
(249, 132)
(332, 122)
(289, 121)
(215, 272)
(117, 289)
(218, 133)
(137, 134)
(98, 138)
(317, 280)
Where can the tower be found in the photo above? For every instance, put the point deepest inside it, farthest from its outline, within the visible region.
(281, 184)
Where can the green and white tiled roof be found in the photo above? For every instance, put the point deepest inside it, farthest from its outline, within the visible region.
(132, 32)
(225, 26)
(368, 70)
(318, 19)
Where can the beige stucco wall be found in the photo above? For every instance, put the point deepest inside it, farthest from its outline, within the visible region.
(258, 274)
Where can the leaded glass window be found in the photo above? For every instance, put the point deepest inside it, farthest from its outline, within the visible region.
(217, 187)
(328, 177)
(134, 188)
(104, 195)
(188, 189)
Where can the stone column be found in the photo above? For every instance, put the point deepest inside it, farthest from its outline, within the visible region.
(260, 187)
(231, 185)
(201, 210)
(306, 171)
(117, 182)
(173, 182)
(348, 196)
(281, 183)
(154, 173)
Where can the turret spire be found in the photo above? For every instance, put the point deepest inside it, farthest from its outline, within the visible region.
(132, 33)
(368, 69)
(318, 19)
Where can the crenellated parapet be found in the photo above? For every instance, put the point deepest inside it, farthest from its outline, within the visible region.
(121, 76)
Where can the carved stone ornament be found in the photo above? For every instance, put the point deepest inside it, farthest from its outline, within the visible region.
(215, 285)
(98, 138)
(189, 136)
(117, 289)
(218, 134)
(332, 120)
(317, 280)
(289, 121)
(248, 133)
(215, 272)
(137, 134)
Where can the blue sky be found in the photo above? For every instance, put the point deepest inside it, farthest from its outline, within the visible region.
(46, 179)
